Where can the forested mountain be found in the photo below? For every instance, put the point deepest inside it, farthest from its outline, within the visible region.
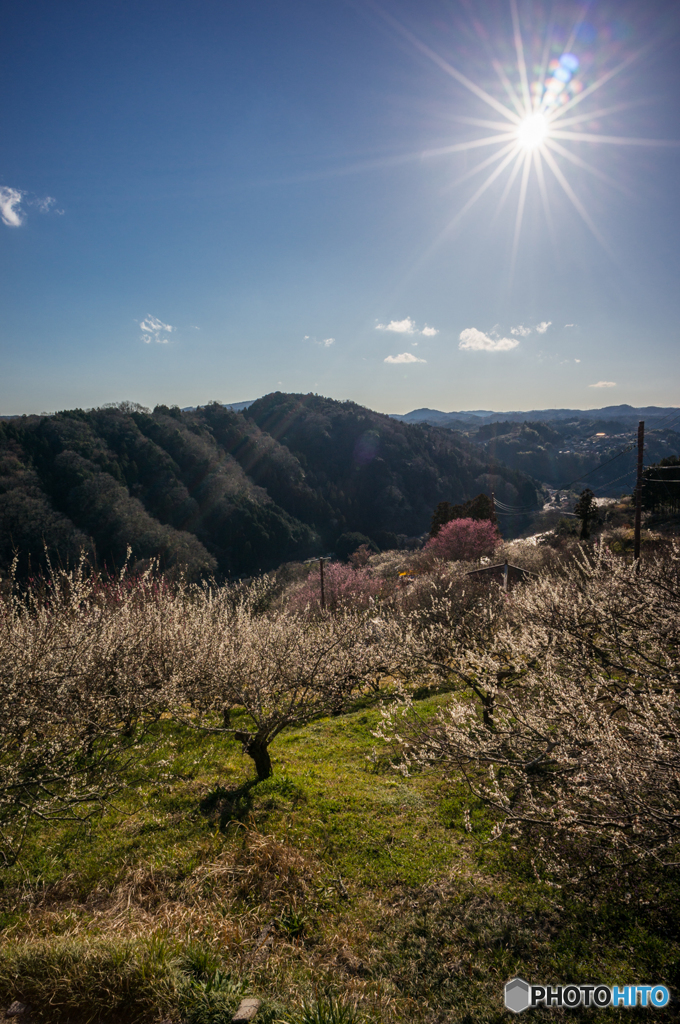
(228, 492)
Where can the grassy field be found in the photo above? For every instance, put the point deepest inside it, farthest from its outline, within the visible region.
(335, 891)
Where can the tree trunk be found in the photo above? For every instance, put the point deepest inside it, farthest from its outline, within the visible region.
(260, 755)
(256, 747)
(487, 710)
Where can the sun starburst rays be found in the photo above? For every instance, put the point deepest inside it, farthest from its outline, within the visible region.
(534, 131)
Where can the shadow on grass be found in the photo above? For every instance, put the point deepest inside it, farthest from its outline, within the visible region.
(225, 805)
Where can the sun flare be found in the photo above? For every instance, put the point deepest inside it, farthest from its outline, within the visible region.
(533, 131)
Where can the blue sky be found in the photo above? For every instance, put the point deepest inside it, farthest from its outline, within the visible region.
(214, 200)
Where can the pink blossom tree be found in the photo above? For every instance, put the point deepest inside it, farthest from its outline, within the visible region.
(344, 586)
(464, 540)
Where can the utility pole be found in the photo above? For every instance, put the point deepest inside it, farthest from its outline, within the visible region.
(323, 596)
(638, 488)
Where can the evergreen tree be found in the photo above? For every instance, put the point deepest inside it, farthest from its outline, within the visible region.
(586, 509)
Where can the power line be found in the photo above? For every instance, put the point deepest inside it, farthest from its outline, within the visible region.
(672, 416)
(516, 508)
(600, 487)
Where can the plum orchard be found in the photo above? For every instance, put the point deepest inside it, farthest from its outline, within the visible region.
(564, 715)
(87, 667)
(566, 719)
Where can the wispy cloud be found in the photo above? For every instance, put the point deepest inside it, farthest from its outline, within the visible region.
(404, 357)
(603, 384)
(10, 201)
(153, 330)
(478, 341)
(521, 331)
(45, 204)
(324, 342)
(570, 325)
(407, 326)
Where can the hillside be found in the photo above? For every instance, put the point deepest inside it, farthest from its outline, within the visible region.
(560, 453)
(224, 491)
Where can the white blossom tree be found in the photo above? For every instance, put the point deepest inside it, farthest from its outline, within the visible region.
(282, 669)
(566, 718)
(81, 674)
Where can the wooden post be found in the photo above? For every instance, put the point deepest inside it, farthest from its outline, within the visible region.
(505, 577)
(638, 489)
(323, 596)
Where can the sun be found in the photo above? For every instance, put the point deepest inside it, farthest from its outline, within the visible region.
(533, 131)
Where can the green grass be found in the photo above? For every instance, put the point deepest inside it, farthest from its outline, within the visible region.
(336, 891)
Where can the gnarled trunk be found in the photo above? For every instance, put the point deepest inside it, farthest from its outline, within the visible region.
(257, 748)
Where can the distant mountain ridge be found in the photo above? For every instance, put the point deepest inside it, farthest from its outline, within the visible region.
(478, 417)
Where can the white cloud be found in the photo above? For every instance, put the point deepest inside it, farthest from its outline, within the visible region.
(570, 325)
(476, 340)
(10, 198)
(522, 331)
(543, 326)
(404, 357)
(406, 326)
(603, 384)
(577, 360)
(327, 342)
(153, 329)
(306, 337)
